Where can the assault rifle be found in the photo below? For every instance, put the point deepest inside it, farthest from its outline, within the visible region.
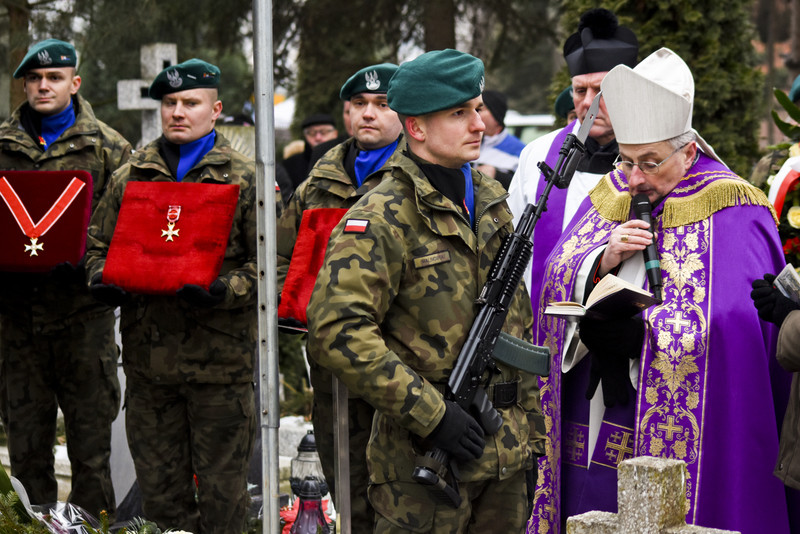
(486, 342)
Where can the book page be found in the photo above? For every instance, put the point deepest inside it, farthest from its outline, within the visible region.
(611, 284)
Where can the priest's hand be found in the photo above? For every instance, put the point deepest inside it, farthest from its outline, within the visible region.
(771, 304)
(612, 343)
(107, 293)
(458, 433)
(199, 297)
(625, 240)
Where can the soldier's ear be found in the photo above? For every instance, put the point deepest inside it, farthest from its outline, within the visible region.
(415, 127)
(76, 84)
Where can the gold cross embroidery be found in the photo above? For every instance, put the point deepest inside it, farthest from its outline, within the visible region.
(678, 322)
(670, 427)
(618, 443)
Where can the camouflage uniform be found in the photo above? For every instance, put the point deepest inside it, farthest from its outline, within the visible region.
(189, 397)
(330, 186)
(56, 341)
(389, 313)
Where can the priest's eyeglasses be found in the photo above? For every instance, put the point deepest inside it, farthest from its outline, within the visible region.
(647, 167)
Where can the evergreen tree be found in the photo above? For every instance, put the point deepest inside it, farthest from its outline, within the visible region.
(715, 41)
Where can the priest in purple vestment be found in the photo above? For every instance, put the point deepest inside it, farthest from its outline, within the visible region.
(691, 378)
(598, 45)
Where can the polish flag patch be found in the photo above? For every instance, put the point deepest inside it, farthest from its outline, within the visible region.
(356, 226)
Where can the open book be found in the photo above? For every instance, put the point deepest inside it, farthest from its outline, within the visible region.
(788, 283)
(612, 297)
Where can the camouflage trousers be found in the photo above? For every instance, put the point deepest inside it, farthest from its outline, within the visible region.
(488, 506)
(360, 418)
(182, 431)
(74, 368)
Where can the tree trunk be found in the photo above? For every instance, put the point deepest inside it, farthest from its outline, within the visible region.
(18, 38)
(439, 22)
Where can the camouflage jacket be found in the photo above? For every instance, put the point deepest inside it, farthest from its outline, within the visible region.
(392, 307)
(328, 186)
(89, 145)
(164, 338)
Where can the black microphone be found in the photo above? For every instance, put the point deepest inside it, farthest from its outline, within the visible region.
(652, 264)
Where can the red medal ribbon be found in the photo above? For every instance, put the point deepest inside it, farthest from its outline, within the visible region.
(55, 212)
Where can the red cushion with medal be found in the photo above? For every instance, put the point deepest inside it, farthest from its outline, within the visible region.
(309, 252)
(43, 218)
(170, 234)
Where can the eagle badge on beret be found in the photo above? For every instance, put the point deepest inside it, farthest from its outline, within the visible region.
(174, 78)
(372, 80)
(44, 57)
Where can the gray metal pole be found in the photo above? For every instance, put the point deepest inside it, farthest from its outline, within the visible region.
(267, 252)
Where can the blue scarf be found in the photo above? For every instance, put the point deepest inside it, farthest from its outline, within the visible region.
(54, 125)
(193, 152)
(469, 193)
(369, 161)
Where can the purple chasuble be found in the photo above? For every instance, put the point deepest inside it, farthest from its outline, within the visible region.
(710, 392)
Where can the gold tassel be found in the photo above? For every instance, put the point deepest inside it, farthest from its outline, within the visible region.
(611, 203)
(723, 193)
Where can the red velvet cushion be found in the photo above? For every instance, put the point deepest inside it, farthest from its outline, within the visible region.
(38, 191)
(309, 252)
(142, 260)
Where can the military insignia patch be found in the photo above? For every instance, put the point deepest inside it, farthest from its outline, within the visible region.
(174, 78)
(372, 80)
(432, 259)
(356, 226)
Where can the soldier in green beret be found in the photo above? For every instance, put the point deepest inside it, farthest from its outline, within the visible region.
(57, 342)
(189, 357)
(394, 302)
(342, 176)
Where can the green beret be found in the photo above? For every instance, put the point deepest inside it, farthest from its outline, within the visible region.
(434, 81)
(373, 79)
(47, 54)
(191, 74)
(564, 103)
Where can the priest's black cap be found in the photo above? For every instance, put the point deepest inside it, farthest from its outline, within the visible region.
(600, 44)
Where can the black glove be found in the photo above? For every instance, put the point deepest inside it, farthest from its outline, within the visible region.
(612, 343)
(197, 296)
(66, 273)
(771, 304)
(107, 293)
(458, 433)
(531, 476)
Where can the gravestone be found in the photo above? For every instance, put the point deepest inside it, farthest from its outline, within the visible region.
(652, 500)
(133, 94)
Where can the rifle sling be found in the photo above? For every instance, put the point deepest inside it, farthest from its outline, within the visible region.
(522, 355)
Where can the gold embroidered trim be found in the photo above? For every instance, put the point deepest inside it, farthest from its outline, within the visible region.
(611, 203)
(714, 196)
(615, 205)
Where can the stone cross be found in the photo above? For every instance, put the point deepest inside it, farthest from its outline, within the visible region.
(652, 500)
(132, 94)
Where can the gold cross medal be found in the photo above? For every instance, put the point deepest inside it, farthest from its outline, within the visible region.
(173, 214)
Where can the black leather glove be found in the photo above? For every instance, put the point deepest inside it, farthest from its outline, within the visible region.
(612, 343)
(458, 433)
(66, 273)
(107, 293)
(197, 296)
(531, 476)
(771, 304)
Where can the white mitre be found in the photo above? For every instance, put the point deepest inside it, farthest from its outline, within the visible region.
(653, 101)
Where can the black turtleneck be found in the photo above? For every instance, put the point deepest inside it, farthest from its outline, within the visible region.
(598, 159)
(449, 182)
(171, 154)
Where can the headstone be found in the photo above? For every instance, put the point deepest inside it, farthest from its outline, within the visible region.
(132, 94)
(652, 500)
